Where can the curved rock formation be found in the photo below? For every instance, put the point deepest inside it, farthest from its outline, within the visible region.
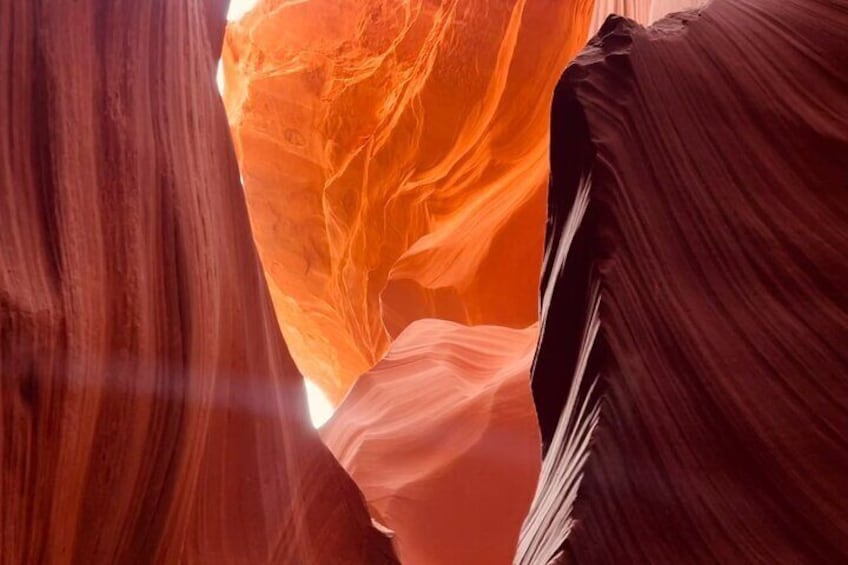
(695, 281)
(645, 12)
(442, 440)
(149, 410)
(393, 153)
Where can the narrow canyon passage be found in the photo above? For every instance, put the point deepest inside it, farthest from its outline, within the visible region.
(433, 282)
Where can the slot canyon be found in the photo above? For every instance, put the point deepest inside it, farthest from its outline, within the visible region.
(432, 282)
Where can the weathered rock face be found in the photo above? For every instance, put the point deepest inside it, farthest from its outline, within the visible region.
(442, 439)
(149, 410)
(695, 277)
(394, 153)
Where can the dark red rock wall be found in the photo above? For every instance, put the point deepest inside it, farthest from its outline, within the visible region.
(149, 410)
(714, 147)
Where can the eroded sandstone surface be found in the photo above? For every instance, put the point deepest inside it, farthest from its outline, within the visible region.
(442, 439)
(149, 409)
(394, 156)
(692, 365)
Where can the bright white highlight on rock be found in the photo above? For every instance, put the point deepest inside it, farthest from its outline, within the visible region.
(238, 8)
(219, 77)
(320, 407)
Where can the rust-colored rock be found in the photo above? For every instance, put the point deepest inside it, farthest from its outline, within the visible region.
(695, 277)
(394, 156)
(149, 410)
(442, 439)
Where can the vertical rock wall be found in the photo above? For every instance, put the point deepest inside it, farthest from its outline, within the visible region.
(694, 307)
(149, 409)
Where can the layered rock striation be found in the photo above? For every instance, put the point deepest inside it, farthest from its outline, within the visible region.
(441, 437)
(149, 409)
(692, 365)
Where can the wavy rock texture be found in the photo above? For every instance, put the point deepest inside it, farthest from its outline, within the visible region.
(393, 153)
(698, 229)
(645, 12)
(442, 439)
(149, 410)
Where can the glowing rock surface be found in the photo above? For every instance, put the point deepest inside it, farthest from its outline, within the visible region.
(695, 280)
(149, 409)
(394, 156)
(442, 439)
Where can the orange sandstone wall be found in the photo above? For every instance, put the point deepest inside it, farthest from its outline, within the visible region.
(394, 157)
